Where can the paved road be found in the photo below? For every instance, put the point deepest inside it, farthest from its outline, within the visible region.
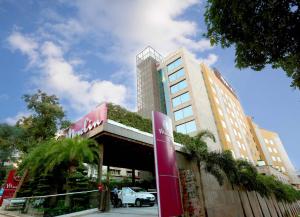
(128, 212)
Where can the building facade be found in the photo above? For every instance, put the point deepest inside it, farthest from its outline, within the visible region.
(197, 97)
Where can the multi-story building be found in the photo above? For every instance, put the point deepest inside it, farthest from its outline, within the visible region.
(197, 97)
(272, 154)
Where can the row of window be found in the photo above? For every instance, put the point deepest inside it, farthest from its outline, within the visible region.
(190, 126)
(176, 75)
(174, 64)
(276, 159)
(271, 150)
(269, 141)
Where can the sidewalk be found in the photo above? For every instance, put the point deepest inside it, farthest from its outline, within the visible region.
(115, 212)
(127, 212)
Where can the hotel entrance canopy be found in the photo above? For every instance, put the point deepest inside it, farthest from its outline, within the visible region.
(125, 147)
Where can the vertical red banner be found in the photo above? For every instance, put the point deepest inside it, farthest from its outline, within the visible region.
(10, 186)
(167, 176)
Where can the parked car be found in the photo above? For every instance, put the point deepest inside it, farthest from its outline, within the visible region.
(135, 196)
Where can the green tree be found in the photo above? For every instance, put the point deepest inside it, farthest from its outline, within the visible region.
(47, 117)
(9, 138)
(67, 153)
(262, 32)
(198, 152)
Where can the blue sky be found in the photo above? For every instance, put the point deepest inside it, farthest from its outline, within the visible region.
(84, 52)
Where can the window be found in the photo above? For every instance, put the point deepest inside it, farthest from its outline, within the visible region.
(240, 136)
(179, 86)
(239, 144)
(180, 99)
(217, 101)
(233, 155)
(244, 147)
(176, 75)
(279, 159)
(115, 172)
(220, 112)
(273, 158)
(211, 81)
(227, 138)
(266, 141)
(174, 64)
(275, 150)
(183, 113)
(282, 169)
(187, 127)
(235, 133)
(270, 149)
(271, 142)
(223, 124)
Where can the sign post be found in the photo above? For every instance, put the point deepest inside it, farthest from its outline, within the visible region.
(167, 176)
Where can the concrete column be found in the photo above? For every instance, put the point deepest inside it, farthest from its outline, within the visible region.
(100, 165)
(133, 177)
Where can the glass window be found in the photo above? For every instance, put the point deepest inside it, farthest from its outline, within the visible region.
(179, 86)
(227, 137)
(180, 99)
(187, 127)
(183, 113)
(174, 64)
(270, 149)
(220, 111)
(176, 75)
(223, 124)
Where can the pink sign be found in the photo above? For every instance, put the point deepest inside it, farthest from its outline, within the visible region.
(90, 121)
(167, 176)
(10, 186)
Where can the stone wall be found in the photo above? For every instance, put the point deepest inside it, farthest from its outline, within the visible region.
(226, 201)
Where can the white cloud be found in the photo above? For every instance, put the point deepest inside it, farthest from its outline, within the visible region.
(114, 31)
(26, 45)
(210, 60)
(59, 77)
(126, 27)
(13, 120)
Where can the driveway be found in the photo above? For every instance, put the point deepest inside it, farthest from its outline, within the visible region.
(127, 212)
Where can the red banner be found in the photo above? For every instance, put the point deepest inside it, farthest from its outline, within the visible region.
(90, 121)
(10, 186)
(167, 176)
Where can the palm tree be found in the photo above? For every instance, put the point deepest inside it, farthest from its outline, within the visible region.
(71, 152)
(198, 152)
(60, 155)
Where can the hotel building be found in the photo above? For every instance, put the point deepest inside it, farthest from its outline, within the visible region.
(197, 97)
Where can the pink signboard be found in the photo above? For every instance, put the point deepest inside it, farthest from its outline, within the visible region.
(10, 186)
(167, 176)
(90, 121)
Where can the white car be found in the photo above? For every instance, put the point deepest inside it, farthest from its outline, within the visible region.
(135, 196)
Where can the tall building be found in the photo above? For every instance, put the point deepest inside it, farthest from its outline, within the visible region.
(196, 98)
(273, 155)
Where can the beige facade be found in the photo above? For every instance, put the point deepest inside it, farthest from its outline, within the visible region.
(229, 116)
(272, 152)
(200, 115)
(198, 97)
